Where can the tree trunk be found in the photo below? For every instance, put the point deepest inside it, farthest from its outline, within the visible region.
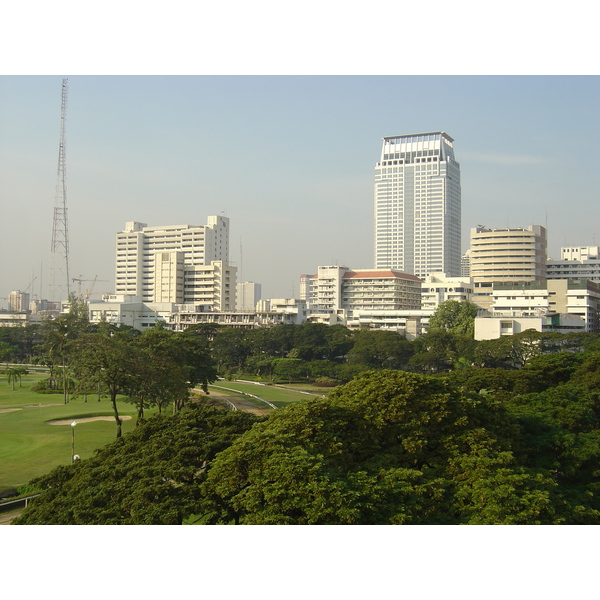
(113, 399)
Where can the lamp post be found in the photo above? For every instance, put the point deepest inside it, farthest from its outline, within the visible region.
(73, 441)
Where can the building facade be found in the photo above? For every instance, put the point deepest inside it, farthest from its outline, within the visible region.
(511, 255)
(436, 289)
(18, 301)
(576, 302)
(418, 205)
(248, 294)
(581, 262)
(339, 294)
(168, 263)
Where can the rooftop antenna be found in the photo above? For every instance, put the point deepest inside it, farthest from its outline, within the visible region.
(60, 232)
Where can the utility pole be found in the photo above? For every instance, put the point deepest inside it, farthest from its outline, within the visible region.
(60, 231)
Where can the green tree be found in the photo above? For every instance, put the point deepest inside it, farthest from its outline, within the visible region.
(440, 350)
(380, 349)
(289, 369)
(14, 374)
(109, 359)
(230, 349)
(389, 447)
(148, 477)
(454, 316)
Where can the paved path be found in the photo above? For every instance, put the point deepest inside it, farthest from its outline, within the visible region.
(7, 517)
(237, 402)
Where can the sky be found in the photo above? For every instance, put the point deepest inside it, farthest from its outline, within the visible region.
(289, 159)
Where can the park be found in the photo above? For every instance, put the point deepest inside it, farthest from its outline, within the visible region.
(35, 432)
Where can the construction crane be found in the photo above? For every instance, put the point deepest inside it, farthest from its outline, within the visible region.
(88, 293)
(31, 284)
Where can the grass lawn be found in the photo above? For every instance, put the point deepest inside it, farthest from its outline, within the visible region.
(29, 447)
(279, 396)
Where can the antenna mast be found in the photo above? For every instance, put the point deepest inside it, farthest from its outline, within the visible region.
(60, 232)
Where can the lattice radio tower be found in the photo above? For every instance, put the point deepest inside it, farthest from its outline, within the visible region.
(59, 276)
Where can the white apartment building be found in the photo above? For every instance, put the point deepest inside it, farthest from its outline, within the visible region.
(579, 262)
(511, 255)
(168, 263)
(418, 205)
(339, 294)
(436, 289)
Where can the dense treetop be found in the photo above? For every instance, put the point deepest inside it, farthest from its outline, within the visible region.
(390, 447)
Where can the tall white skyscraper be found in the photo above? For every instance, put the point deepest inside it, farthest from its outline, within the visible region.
(417, 205)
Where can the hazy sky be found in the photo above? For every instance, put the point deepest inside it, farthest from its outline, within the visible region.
(289, 159)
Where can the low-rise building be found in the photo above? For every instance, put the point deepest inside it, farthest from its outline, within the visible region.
(553, 305)
(126, 309)
(491, 328)
(576, 262)
(268, 313)
(439, 288)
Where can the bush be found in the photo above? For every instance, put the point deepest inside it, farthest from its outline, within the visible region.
(325, 382)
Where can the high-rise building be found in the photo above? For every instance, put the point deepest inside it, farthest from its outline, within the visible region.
(505, 255)
(417, 205)
(177, 264)
(18, 301)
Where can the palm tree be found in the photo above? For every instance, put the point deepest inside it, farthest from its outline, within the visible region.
(14, 373)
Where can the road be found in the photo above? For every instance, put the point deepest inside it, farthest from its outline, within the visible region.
(235, 402)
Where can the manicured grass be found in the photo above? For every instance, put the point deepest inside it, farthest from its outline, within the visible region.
(278, 396)
(29, 447)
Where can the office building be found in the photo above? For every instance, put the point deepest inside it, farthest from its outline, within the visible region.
(18, 301)
(561, 305)
(418, 205)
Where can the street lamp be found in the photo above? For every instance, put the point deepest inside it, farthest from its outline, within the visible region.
(73, 441)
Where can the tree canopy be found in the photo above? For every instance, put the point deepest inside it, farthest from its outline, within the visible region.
(390, 447)
(457, 317)
(147, 477)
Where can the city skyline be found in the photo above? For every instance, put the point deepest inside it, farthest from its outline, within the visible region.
(289, 159)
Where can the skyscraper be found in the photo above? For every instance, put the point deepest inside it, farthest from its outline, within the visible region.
(417, 205)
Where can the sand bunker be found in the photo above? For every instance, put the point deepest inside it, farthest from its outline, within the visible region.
(5, 410)
(84, 420)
